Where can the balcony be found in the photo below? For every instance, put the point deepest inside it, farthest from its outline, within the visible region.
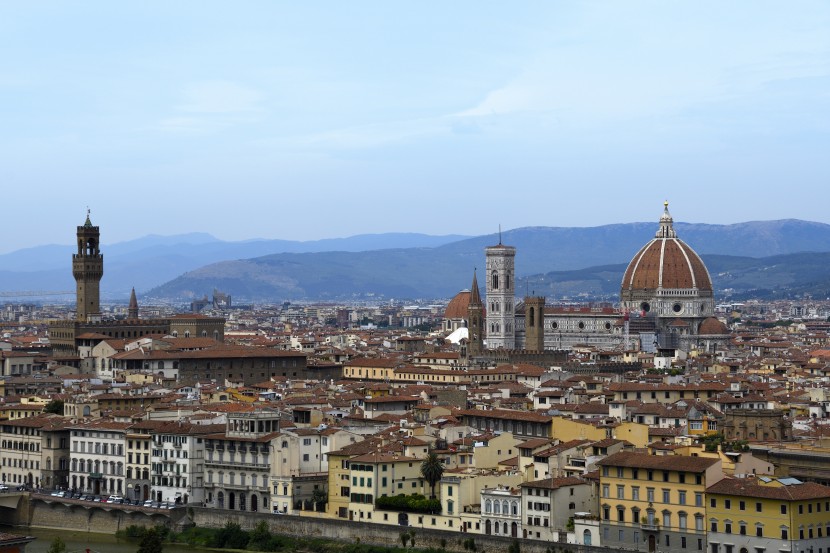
(650, 525)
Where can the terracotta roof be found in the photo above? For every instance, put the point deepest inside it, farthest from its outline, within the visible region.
(554, 483)
(662, 462)
(753, 487)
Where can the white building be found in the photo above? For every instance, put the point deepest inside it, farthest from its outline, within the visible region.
(97, 457)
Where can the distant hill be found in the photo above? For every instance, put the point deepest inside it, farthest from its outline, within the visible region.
(149, 261)
(581, 261)
(551, 261)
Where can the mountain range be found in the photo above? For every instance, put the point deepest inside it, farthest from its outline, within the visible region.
(764, 258)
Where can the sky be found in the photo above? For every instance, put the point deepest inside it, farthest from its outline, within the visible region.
(308, 120)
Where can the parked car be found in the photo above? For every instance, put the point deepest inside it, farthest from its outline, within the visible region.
(4, 488)
(115, 499)
(59, 494)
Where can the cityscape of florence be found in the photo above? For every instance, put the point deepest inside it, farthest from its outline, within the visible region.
(381, 278)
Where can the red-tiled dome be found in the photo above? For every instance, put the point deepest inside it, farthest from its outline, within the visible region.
(712, 327)
(666, 263)
(457, 308)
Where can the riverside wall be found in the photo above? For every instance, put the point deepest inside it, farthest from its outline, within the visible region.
(85, 516)
(107, 519)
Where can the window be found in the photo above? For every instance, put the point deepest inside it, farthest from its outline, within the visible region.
(742, 528)
(606, 490)
(698, 500)
(759, 507)
(650, 495)
(635, 493)
(727, 526)
(759, 530)
(682, 520)
(713, 502)
(666, 496)
(713, 526)
(785, 533)
(742, 505)
(727, 503)
(681, 497)
(783, 509)
(620, 492)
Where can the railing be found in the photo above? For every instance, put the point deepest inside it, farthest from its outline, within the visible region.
(651, 526)
(232, 464)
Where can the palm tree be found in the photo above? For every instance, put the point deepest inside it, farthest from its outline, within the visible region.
(432, 469)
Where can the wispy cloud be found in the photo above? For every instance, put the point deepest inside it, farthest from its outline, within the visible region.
(221, 97)
(210, 106)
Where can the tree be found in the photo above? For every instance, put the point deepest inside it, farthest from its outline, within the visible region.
(432, 469)
(55, 406)
(319, 497)
(151, 542)
(58, 546)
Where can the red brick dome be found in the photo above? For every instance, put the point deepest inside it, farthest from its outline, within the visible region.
(666, 262)
(712, 327)
(457, 308)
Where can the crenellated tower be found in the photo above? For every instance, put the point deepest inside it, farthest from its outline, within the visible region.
(88, 269)
(535, 323)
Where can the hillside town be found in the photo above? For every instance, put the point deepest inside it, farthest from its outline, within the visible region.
(663, 421)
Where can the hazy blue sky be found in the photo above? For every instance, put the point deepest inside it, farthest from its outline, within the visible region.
(304, 120)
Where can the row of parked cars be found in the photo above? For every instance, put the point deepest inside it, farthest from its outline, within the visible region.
(115, 499)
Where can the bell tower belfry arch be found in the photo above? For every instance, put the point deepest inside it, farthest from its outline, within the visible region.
(88, 268)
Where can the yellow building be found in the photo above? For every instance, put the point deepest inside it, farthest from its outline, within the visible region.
(381, 474)
(650, 502)
(566, 430)
(756, 515)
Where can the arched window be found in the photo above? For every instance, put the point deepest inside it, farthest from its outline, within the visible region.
(496, 508)
(532, 317)
(488, 506)
(495, 280)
